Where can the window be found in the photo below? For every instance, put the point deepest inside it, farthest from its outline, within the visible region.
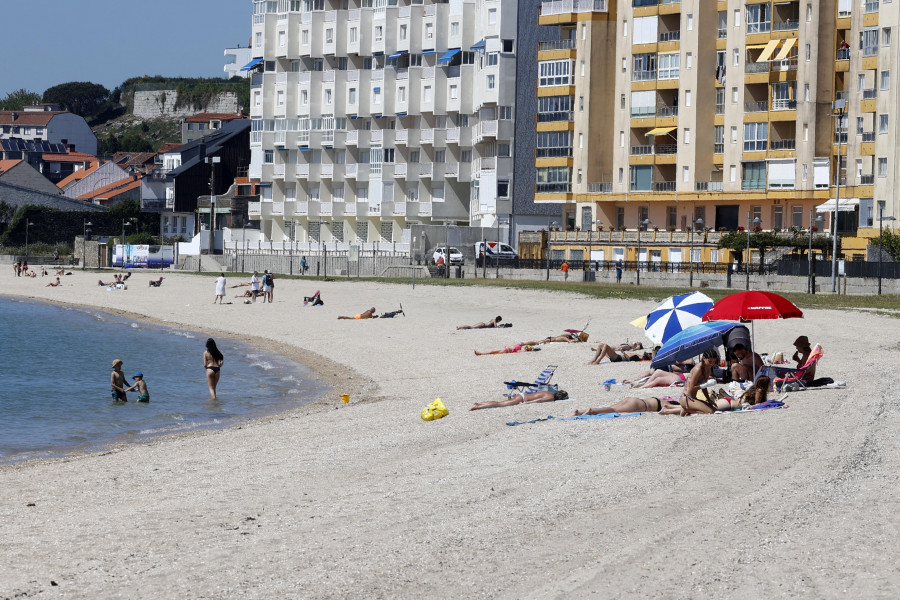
(759, 18)
(328, 94)
(280, 97)
(429, 31)
(492, 16)
(329, 35)
(689, 60)
(282, 38)
(492, 59)
(503, 150)
(268, 156)
(582, 68)
(555, 72)
(454, 28)
(885, 80)
(719, 137)
(354, 35)
(351, 96)
(376, 96)
(454, 92)
(734, 135)
(401, 94)
(737, 56)
(257, 99)
(885, 36)
(507, 46)
(554, 144)
(805, 173)
(669, 65)
(686, 174)
(258, 39)
(646, 30)
(860, 124)
(379, 33)
(304, 37)
(737, 17)
(882, 123)
(808, 52)
(505, 113)
(796, 216)
(690, 22)
(756, 136)
(641, 178)
(734, 95)
(868, 41)
(644, 67)
(427, 94)
(806, 92)
(687, 136)
(754, 176)
(404, 32)
(882, 167)
(687, 97)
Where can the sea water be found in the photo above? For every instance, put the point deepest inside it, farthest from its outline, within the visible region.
(55, 367)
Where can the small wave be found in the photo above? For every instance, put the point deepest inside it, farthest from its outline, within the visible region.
(184, 334)
(180, 427)
(264, 365)
(135, 326)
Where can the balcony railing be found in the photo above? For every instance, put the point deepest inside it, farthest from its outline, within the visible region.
(642, 112)
(870, 94)
(866, 180)
(788, 64)
(761, 27)
(720, 109)
(783, 145)
(666, 111)
(664, 186)
(553, 188)
(756, 67)
(401, 136)
(722, 33)
(643, 75)
(868, 136)
(757, 106)
(709, 186)
(842, 54)
(562, 7)
(546, 117)
(666, 149)
(556, 45)
(553, 152)
(786, 25)
(641, 150)
(604, 187)
(784, 104)
(719, 148)
(670, 36)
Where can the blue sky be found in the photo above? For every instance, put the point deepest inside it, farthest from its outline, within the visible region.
(48, 42)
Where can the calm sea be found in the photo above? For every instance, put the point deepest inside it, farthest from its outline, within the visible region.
(54, 381)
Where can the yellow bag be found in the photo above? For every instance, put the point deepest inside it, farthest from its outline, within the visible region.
(435, 410)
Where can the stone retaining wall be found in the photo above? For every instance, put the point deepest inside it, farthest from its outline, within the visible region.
(156, 104)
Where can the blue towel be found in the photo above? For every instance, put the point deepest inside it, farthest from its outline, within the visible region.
(768, 404)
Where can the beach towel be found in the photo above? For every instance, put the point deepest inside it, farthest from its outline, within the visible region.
(768, 404)
(580, 418)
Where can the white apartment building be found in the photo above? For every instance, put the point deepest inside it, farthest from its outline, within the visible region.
(368, 115)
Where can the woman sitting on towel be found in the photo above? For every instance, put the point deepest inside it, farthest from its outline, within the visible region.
(696, 399)
(523, 398)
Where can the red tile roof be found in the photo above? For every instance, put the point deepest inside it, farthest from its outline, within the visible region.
(206, 117)
(113, 189)
(133, 158)
(6, 165)
(27, 118)
(169, 147)
(79, 175)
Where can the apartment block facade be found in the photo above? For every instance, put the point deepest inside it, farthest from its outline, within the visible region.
(369, 115)
(663, 112)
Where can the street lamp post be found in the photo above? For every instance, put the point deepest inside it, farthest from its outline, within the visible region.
(550, 226)
(881, 219)
(85, 223)
(641, 224)
(750, 225)
(819, 221)
(125, 223)
(28, 224)
(497, 254)
(840, 105)
(696, 223)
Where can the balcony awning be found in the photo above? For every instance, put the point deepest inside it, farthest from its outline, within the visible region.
(446, 56)
(846, 205)
(427, 52)
(769, 50)
(755, 46)
(397, 54)
(253, 63)
(786, 48)
(660, 131)
(401, 114)
(478, 45)
(377, 89)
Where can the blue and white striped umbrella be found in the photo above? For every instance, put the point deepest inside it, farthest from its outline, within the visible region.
(692, 341)
(675, 314)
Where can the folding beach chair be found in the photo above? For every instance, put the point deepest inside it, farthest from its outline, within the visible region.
(792, 379)
(542, 380)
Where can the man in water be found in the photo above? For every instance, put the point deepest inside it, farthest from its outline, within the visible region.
(118, 383)
(141, 385)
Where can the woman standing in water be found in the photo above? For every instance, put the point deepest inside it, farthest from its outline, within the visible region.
(212, 362)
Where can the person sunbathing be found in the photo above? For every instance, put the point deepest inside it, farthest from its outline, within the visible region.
(156, 282)
(523, 398)
(369, 314)
(52, 284)
(567, 337)
(508, 350)
(658, 378)
(492, 323)
(61, 271)
(614, 355)
(316, 299)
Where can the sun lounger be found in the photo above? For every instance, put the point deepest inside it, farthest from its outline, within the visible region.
(793, 379)
(542, 380)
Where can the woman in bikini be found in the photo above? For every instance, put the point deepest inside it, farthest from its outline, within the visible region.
(633, 405)
(212, 362)
(612, 353)
(523, 398)
(696, 400)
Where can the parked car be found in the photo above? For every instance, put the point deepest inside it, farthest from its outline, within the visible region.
(456, 257)
(496, 250)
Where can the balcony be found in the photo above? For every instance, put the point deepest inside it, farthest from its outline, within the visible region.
(756, 67)
(666, 111)
(487, 163)
(451, 169)
(302, 171)
(670, 36)
(564, 7)
(401, 136)
(556, 45)
(278, 208)
(709, 186)
(426, 170)
(664, 186)
(376, 137)
(453, 135)
(786, 25)
(604, 187)
(870, 94)
(400, 170)
(783, 145)
(254, 209)
(426, 136)
(485, 129)
(788, 64)
(554, 153)
(280, 138)
(549, 117)
(643, 75)
(719, 148)
(866, 180)
(351, 138)
(278, 171)
(868, 136)
(756, 107)
(722, 33)
(553, 188)
(350, 170)
(842, 54)
(326, 171)
(784, 104)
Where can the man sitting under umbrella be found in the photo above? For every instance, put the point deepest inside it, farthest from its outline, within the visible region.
(746, 361)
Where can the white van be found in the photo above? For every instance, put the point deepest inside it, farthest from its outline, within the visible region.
(495, 250)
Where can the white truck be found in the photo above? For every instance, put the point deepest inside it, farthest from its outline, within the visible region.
(494, 251)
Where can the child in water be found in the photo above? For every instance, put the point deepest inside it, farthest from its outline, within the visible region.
(141, 385)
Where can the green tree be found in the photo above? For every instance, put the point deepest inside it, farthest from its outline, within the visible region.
(890, 243)
(19, 99)
(80, 97)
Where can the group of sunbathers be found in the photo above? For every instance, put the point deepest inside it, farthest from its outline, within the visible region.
(118, 280)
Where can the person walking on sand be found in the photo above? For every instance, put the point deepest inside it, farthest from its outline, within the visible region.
(117, 382)
(141, 385)
(220, 289)
(212, 363)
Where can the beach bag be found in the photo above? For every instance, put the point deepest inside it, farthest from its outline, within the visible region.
(267, 280)
(435, 410)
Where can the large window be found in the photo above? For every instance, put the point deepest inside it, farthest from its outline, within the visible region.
(554, 144)
(641, 178)
(554, 180)
(555, 108)
(759, 18)
(754, 176)
(868, 41)
(669, 65)
(644, 67)
(756, 136)
(643, 104)
(556, 72)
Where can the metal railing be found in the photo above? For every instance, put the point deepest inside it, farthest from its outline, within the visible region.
(783, 145)
(786, 25)
(709, 186)
(784, 104)
(842, 54)
(553, 188)
(670, 36)
(546, 117)
(556, 45)
(756, 106)
(664, 186)
(604, 187)
(666, 111)
(866, 180)
(868, 136)
(870, 94)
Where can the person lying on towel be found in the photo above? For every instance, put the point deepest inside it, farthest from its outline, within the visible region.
(615, 355)
(523, 398)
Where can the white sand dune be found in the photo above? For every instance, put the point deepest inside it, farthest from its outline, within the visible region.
(366, 500)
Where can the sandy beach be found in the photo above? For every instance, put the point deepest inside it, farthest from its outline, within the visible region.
(366, 500)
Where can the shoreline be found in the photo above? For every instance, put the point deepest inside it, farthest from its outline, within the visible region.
(367, 500)
(319, 366)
